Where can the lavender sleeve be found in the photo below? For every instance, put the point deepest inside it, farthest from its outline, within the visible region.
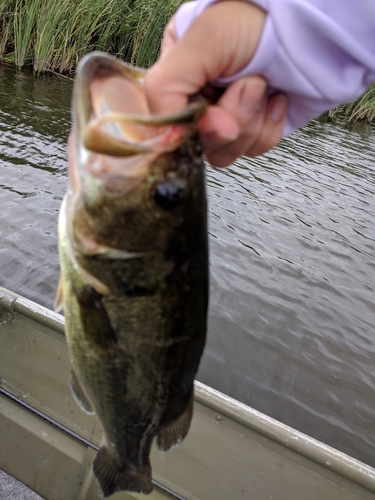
(320, 53)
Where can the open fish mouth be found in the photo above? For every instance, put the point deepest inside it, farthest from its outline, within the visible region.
(112, 113)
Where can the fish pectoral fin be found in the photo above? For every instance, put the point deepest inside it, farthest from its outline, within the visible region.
(177, 430)
(89, 247)
(79, 394)
(113, 477)
(96, 324)
(58, 304)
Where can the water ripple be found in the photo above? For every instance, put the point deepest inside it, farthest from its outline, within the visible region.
(291, 323)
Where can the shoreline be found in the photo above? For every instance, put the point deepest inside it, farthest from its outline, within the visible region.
(52, 37)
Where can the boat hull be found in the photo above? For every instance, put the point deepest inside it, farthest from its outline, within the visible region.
(232, 451)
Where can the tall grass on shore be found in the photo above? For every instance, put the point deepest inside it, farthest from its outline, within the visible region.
(52, 35)
(363, 109)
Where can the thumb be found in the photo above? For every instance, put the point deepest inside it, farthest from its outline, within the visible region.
(219, 42)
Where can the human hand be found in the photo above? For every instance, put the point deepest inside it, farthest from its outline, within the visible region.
(221, 41)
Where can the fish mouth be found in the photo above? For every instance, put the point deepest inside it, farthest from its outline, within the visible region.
(112, 116)
(117, 152)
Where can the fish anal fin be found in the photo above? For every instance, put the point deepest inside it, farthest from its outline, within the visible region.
(177, 430)
(113, 477)
(79, 394)
(58, 304)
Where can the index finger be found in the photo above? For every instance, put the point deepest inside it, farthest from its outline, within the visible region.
(189, 63)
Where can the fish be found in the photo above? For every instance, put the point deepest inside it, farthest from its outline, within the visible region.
(133, 248)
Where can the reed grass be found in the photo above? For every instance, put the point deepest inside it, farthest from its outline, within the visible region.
(363, 109)
(52, 35)
(6, 25)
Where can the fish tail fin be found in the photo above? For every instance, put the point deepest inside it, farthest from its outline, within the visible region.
(113, 477)
(177, 430)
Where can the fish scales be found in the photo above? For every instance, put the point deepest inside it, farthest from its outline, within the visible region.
(134, 267)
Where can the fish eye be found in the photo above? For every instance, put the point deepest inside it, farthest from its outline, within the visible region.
(169, 194)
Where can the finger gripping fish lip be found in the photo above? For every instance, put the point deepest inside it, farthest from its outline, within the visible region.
(123, 133)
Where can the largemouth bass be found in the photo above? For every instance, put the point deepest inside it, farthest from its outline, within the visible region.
(134, 267)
